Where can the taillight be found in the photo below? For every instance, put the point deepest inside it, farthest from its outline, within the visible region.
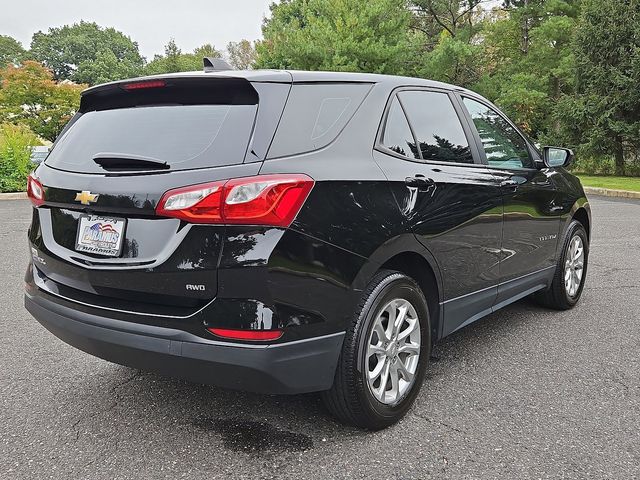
(258, 335)
(196, 204)
(262, 200)
(35, 191)
(144, 84)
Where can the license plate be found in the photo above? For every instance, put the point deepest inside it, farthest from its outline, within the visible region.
(100, 235)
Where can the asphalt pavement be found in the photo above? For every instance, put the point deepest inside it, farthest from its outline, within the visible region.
(524, 393)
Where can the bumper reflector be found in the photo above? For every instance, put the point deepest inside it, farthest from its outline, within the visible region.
(261, 335)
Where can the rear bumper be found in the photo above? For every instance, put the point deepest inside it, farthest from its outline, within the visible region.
(288, 368)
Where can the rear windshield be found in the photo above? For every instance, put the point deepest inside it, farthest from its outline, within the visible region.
(183, 136)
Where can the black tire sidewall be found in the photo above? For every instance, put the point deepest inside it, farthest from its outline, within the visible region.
(394, 286)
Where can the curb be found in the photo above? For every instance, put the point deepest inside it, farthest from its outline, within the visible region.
(607, 192)
(13, 196)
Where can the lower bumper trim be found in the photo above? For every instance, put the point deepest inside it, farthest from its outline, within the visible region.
(287, 368)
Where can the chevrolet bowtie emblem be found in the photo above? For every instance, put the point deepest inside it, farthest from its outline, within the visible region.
(85, 197)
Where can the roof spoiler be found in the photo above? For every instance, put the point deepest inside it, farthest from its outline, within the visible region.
(211, 64)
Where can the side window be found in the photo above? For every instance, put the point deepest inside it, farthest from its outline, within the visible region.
(397, 134)
(314, 116)
(502, 143)
(437, 126)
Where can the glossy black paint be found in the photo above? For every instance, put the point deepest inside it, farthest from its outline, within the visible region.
(478, 237)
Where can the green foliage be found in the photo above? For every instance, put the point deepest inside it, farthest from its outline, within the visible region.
(87, 53)
(11, 51)
(452, 60)
(602, 117)
(342, 35)
(29, 96)
(528, 60)
(242, 54)
(174, 60)
(15, 143)
(566, 71)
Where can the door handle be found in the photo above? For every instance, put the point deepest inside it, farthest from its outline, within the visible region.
(509, 184)
(420, 182)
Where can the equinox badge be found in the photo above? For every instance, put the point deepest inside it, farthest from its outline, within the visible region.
(85, 197)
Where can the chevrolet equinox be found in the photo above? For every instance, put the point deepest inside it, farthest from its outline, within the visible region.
(286, 232)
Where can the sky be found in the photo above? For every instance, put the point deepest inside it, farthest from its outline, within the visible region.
(151, 23)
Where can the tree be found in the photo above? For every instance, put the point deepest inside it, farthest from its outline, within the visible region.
(207, 50)
(603, 116)
(343, 35)
(242, 54)
(453, 16)
(452, 60)
(174, 60)
(85, 52)
(527, 72)
(11, 51)
(30, 96)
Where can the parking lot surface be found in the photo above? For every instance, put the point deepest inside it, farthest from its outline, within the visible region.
(523, 393)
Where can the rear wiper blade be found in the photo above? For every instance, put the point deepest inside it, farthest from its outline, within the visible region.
(127, 162)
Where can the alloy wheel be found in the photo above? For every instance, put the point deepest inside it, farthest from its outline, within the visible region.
(393, 351)
(574, 266)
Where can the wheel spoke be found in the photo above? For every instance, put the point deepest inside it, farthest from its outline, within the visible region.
(377, 370)
(409, 330)
(410, 348)
(395, 387)
(391, 325)
(376, 350)
(402, 368)
(578, 254)
(381, 332)
(400, 317)
(384, 378)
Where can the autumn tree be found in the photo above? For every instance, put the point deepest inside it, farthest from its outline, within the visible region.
(30, 96)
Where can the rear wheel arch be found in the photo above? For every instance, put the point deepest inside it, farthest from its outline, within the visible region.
(417, 267)
(406, 255)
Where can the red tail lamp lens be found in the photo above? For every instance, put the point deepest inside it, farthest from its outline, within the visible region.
(260, 335)
(261, 200)
(35, 190)
(195, 204)
(144, 84)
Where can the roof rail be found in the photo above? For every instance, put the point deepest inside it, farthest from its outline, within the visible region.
(215, 64)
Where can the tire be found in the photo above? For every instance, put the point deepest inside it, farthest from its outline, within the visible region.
(558, 296)
(351, 398)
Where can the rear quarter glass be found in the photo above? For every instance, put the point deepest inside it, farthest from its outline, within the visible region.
(314, 115)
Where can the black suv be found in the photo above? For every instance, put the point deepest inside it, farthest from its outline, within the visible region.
(287, 232)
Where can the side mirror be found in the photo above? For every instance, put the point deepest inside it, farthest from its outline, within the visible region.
(557, 157)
